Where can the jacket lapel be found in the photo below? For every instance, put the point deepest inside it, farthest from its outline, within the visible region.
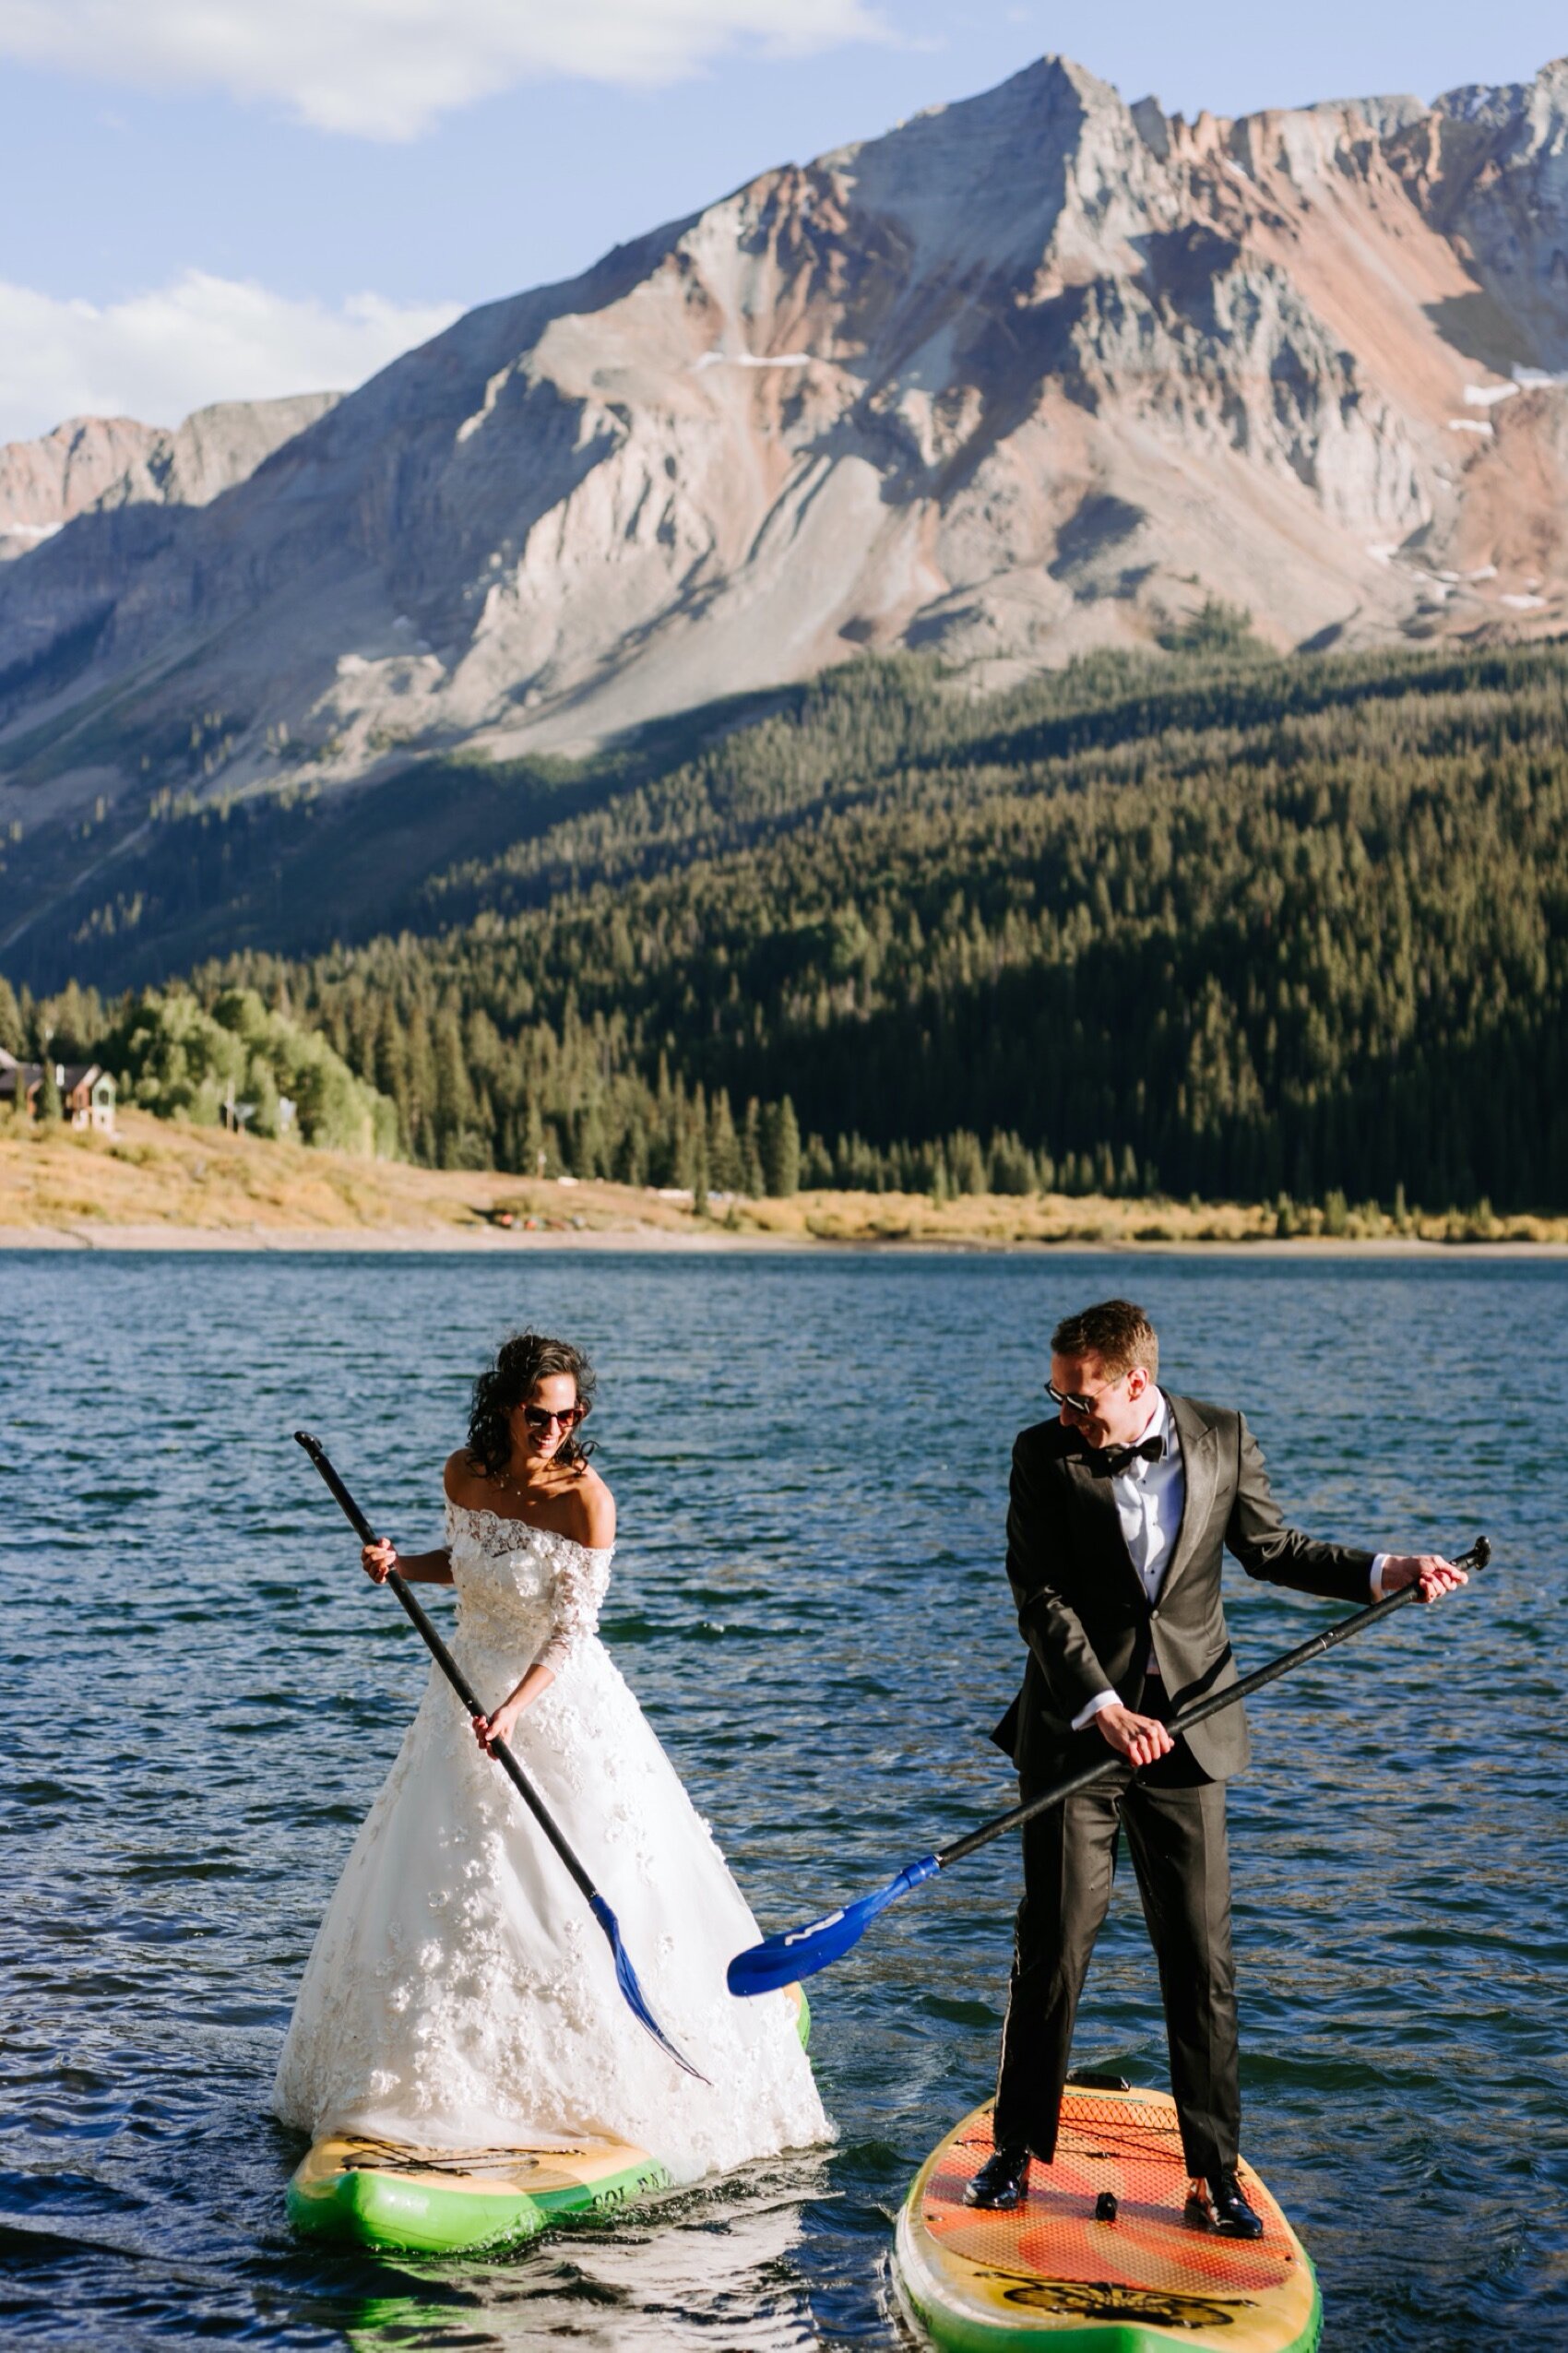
(1200, 1472)
(1099, 1518)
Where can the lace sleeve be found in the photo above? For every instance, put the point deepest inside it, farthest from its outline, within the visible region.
(582, 1576)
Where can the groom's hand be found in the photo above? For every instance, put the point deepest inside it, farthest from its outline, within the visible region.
(1435, 1576)
(1140, 1739)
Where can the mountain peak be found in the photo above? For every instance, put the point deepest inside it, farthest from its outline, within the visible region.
(985, 180)
(1502, 105)
(1031, 373)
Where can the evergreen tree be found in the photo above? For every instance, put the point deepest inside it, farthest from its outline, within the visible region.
(630, 1163)
(423, 1134)
(780, 1149)
(966, 1164)
(535, 1157)
(723, 1145)
(76, 1020)
(453, 1090)
(389, 1069)
(752, 1179)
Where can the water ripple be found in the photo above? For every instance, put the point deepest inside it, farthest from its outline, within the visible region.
(810, 1461)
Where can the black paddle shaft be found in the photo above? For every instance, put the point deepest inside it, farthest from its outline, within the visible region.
(1477, 1557)
(448, 1664)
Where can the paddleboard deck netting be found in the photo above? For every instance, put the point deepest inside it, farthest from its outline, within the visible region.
(1133, 2149)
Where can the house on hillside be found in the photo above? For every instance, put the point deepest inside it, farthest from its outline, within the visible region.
(87, 1090)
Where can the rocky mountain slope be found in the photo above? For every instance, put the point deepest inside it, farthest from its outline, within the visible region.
(1031, 373)
(93, 464)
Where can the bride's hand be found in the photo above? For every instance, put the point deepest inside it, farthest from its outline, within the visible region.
(488, 1730)
(378, 1560)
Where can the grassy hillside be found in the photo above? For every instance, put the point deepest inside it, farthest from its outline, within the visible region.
(167, 1181)
(161, 1175)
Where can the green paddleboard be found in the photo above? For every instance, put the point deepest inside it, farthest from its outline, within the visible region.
(392, 2194)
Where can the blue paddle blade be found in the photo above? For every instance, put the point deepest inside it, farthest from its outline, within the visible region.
(801, 1952)
(626, 1979)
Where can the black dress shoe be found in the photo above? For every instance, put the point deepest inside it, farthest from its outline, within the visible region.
(1001, 2183)
(1221, 2201)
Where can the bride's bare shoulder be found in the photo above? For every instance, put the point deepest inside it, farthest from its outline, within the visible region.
(593, 1509)
(462, 1482)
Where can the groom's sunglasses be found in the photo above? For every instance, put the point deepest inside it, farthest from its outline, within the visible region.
(1079, 1405)
(542, 1417)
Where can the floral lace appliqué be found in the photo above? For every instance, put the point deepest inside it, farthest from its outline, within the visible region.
(459, 1991)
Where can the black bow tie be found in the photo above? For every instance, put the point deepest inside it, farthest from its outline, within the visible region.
(1110, 1462)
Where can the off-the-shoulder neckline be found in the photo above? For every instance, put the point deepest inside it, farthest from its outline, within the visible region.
(529, 1527)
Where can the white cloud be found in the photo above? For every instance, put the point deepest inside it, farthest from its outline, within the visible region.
(158, 355)
(387, 68)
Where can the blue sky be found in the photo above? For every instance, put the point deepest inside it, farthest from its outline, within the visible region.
(267, 195)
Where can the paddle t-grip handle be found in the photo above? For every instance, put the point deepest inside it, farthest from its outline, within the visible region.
(323, 1462)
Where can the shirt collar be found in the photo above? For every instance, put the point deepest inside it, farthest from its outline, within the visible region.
(1158, 1425)
(1161, 1424)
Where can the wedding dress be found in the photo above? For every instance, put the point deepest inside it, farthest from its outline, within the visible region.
(459, 1991)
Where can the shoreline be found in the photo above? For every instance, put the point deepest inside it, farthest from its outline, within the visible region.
(395, 1241)
(156, 1187)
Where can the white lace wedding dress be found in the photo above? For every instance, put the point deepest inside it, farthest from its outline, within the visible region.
(460, 1994)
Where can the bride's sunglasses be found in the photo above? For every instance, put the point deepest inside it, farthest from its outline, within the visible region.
(542, 1417)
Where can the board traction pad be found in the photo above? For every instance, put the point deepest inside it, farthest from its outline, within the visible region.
(1048, 2273)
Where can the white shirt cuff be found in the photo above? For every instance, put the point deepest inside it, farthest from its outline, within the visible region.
(1379, 1560)
(1086, 1714)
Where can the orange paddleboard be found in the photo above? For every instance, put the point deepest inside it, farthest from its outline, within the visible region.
(1051, 2274)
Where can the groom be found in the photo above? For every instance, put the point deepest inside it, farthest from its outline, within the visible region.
(1120, 1510)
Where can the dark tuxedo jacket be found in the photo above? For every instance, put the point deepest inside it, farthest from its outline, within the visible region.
(1082, 1608)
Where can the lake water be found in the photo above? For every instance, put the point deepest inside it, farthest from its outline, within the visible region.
(810, 1455)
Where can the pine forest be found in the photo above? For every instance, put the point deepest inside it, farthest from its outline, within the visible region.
(1218, 924)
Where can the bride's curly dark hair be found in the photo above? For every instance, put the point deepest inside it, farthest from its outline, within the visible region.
(521, 1363)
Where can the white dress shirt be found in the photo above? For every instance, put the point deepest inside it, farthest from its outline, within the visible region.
(1150, 1497)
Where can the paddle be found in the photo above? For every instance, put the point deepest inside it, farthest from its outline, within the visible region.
(625, 1976)
(801, 1952)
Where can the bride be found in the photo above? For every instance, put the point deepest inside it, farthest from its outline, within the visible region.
(459, 1991)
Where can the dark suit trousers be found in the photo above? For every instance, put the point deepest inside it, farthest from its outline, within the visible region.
(1175, 1824)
